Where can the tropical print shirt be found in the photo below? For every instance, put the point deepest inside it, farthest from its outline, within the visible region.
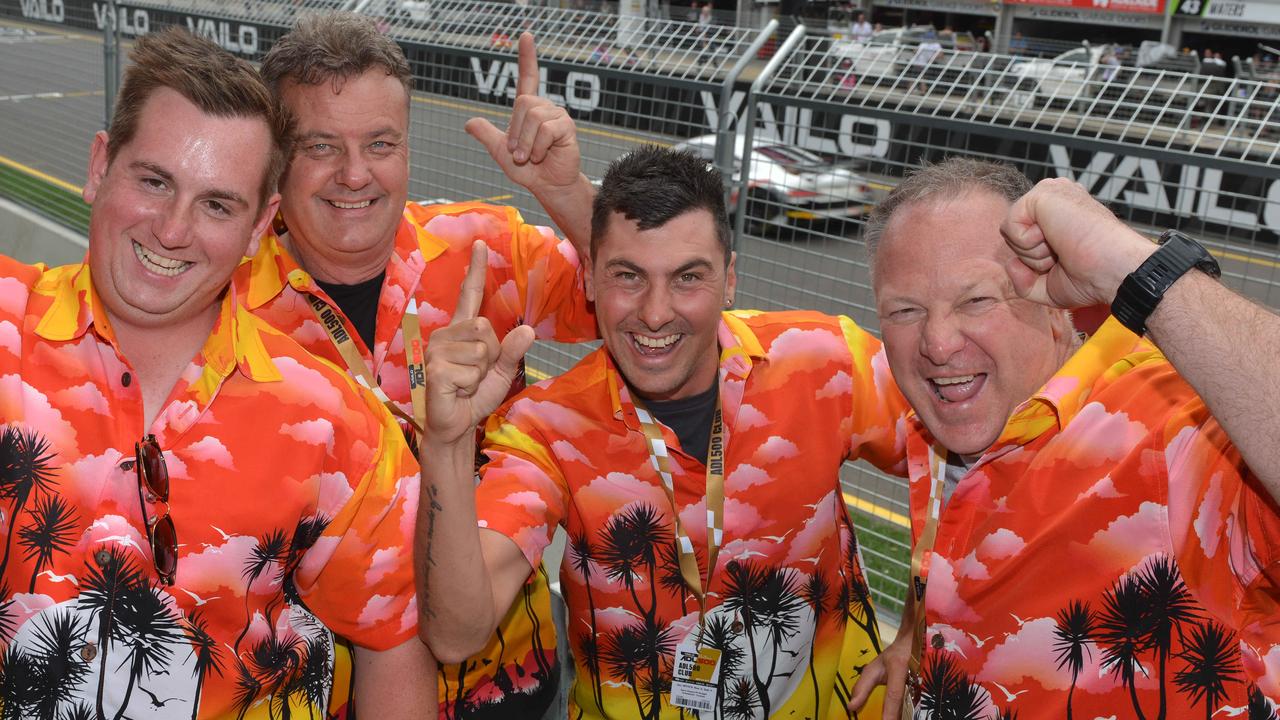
(1109, 556)
(788, 604)
(533, 279)
(292, 492)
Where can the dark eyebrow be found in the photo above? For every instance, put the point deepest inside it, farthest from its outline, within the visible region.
(699, 264)
(625, 264)
(154, 169)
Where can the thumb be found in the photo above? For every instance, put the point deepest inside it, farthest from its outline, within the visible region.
(1028, 283)
(514, 346)
(493, 139)
(871, 677)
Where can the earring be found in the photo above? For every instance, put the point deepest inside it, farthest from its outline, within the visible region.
(728, 302)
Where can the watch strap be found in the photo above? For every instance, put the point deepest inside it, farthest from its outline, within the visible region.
(1142, 290)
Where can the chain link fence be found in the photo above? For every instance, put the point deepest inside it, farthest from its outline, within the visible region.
(812, 131)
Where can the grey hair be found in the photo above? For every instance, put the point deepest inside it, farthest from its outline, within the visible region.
(951, 178)
(333, 47)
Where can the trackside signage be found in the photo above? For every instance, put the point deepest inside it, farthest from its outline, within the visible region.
(244, 39)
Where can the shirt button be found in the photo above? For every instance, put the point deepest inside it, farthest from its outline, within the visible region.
(736, 627)
(88, 652)
(938, 641)
(103, 557)
(126, 379)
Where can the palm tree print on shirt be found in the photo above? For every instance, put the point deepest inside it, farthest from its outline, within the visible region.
(26, 469)
(1142, 614)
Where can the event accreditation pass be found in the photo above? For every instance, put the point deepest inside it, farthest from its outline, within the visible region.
(697, 673)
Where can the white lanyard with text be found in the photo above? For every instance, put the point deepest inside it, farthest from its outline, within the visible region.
(923, 552)
(697, 670)
(331, 320)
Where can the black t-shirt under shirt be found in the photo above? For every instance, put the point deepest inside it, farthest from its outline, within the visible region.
(690, 419)
(359, 303)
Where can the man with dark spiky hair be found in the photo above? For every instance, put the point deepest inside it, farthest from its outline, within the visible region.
(193, 504)
(731, 585)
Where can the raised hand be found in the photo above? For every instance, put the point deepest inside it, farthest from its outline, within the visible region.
(468, 371)
(539, 149)
(1070, 250)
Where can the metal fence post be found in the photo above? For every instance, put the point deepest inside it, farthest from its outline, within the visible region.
(110, 61)
(725, 130)
(749, 122)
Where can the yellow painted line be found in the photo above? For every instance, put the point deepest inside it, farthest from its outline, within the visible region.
(504, 113)
(1245, 258)
(495, 198)
(41, 175)
(876, 511)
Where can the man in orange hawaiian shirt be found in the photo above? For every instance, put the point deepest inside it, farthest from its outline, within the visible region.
(192, 504)
(613, 451)
(1106, 541)
(362, 276)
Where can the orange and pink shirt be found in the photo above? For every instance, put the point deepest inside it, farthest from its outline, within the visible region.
(292, 492)
(533, 279)
(788, 601)
(1110, 555)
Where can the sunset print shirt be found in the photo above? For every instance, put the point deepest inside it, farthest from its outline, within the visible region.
(788, 603)
(293, 495)
(533, 279)
(1109, 556)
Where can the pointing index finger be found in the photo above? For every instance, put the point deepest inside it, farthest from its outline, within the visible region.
(529, 79)
(471, 295)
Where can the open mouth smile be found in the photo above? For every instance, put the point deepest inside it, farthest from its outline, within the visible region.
(350, 205)
(651, 346)
(957, 388)
(159, 264)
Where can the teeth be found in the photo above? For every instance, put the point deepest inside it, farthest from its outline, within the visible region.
(350, 206)
(656, 342)
(960, 380)
(159, 264)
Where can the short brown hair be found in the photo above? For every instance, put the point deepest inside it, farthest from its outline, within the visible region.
(209, 77)
(949, 179)
(332, 47)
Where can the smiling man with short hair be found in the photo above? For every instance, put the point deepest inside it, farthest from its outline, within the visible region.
(194, 504)
(694, 462)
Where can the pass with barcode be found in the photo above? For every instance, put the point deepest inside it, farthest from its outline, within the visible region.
(697, 673)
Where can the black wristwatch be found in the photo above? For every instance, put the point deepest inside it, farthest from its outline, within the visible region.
(1143, 289)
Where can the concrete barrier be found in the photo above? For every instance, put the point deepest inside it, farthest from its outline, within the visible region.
(32, 238)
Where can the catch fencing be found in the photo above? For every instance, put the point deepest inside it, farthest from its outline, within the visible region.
(813, 132)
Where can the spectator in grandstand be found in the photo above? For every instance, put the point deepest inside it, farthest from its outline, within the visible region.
(1018, 44)
(142, 403)
(749, 558)
(860, 29)
(1094, 522)
(361, 275)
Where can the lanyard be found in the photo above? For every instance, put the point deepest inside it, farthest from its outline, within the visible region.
(923, 552)
(331, 319)
(715, 500)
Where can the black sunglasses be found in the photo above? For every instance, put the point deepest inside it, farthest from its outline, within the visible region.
(153, 476)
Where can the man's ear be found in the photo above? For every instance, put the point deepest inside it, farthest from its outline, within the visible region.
(260, 228)
(588, 278)
(98, 163)
(731, 280)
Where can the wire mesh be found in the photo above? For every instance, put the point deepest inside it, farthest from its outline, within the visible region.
(836, 129)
